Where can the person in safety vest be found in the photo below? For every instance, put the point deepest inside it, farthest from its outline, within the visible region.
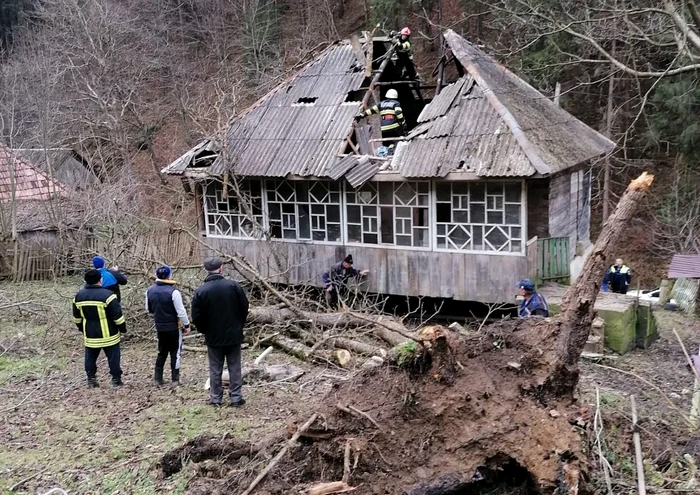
(393, 124)
(164, 302)
(98, 314)
(618, 278)
(404, 54)
(112, 278)
(533, 303)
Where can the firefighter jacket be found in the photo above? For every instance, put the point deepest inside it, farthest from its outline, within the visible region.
(403, 48)
(98, 314)
(535, 306)
(391, 114)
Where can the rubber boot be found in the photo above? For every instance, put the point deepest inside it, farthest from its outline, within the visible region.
(176, 377)
(117, 382)
(158, 376)
(92, 382)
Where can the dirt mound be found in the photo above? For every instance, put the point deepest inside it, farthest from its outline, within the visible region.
(463, 414)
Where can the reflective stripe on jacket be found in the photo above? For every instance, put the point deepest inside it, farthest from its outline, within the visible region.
(535, 306)
(391, 113)
(98, 314)
(404, 48)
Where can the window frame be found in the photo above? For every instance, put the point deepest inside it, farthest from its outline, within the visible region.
(256, 236)
(523, 219)
(430, 229)
(309, 182)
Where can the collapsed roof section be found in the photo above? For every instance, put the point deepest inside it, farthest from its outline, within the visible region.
(489, 123)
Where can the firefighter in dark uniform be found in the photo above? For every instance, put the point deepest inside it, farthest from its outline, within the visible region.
(98, 314)
(393, 124)
(404, 55)
(618, 278)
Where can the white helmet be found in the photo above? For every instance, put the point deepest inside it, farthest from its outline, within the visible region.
(392, 94)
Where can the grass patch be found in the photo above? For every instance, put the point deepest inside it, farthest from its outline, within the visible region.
(21, 369)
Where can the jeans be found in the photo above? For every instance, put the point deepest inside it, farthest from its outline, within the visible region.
(232, 354)
(113, 354)
(169, 343)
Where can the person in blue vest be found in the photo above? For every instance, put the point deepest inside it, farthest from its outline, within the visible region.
(164, 302)
(112, 278)
(618, 278)
(533, 303)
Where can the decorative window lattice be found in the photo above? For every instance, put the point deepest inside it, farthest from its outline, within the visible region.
(478, 216)
(303, 210)
(390, 213)
(236, 212)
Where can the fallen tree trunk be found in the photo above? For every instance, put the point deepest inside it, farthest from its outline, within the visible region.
(383, 327)
(496, 405)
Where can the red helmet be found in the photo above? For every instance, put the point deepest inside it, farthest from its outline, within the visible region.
(406, 31)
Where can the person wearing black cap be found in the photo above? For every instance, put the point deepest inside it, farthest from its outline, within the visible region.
(164, 302)
(98, 314)
(219, 311)
(336, 277)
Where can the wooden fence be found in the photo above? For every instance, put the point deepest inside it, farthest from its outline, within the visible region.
(46, 255)
(549, 260)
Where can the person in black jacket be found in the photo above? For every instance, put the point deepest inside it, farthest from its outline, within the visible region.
(336, 278)
(112, 278)
(98, 314)
(219, 311)
(164, 302)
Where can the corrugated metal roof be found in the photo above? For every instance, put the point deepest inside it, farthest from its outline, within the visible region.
(301, 127)
(685, 266)
(364, 171)
(464, 130)
(339, 168)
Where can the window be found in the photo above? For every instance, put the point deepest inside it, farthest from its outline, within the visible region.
(479, 216)
(303, 210)
(393, 213)
(235, 213)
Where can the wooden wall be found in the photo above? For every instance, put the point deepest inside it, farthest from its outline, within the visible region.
(538, 208)
(465, 277)
(569, 208)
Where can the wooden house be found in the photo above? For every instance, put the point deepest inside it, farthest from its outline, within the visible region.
(63, 164)
(488, 165)
(40, 220)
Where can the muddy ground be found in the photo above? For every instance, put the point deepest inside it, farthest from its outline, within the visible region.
(54, 432)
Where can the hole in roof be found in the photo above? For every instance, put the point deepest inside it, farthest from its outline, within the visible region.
(354, 95)
(309, 100)
(289, 88)
(460, 166)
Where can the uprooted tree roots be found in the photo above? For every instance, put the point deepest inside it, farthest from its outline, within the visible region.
(491, 410)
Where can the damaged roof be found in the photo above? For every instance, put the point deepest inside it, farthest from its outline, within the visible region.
(491, 123)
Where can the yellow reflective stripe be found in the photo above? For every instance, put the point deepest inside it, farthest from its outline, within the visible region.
(120, 320)
(110, 299)
(97, 343)
(389, 127)
(104, 324)
(82, 316)
(388, 112)
(77, 320)
(94, 304)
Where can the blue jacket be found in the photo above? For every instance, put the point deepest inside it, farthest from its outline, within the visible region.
(112, 279)
(338, 275)
(535, 306)
(617, 279)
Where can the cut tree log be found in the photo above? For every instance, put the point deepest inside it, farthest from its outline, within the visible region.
(328, 488)
(383, 327)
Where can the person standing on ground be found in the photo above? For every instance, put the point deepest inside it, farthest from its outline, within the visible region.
(98, 314)
(112, 278)
(533, 303)
(164, 302)
(618, 278)
(219, 311)
(335, 279)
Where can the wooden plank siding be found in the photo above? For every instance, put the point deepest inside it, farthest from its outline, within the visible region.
(569, 208)
(463, 276)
